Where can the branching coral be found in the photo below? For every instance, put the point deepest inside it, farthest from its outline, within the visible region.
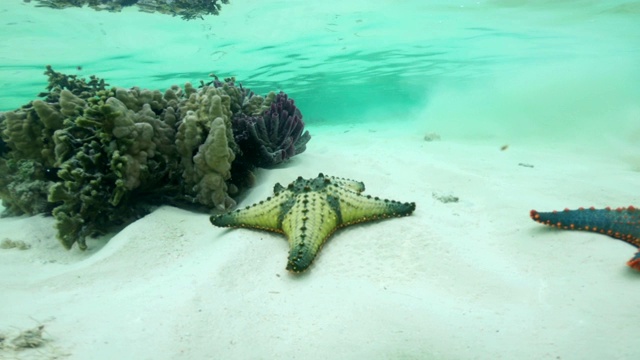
(95, 157)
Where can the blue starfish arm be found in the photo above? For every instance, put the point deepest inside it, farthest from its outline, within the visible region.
(621, 223)
(635, 261)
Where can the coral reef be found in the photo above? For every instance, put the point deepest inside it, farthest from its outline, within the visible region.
(95, 156)
(187, 9)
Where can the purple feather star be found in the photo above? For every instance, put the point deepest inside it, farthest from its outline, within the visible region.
(274, 137)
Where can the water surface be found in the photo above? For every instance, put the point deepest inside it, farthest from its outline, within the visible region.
(468, 67)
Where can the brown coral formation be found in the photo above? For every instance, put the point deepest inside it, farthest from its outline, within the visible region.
(95, 157)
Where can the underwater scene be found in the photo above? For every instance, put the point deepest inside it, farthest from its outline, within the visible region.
(381, 179)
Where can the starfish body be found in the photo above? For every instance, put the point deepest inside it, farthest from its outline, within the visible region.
(621, 223)
(308, 211)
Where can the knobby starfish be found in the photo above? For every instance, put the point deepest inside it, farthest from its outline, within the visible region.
(308, 211)
(621, 223)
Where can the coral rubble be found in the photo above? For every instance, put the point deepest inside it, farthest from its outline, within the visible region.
(96, 156)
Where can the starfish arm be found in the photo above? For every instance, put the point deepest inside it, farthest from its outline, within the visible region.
(356, 208)
(635, 261)
(307, 226)
(621, 223)
(264, 215)
(356, 186)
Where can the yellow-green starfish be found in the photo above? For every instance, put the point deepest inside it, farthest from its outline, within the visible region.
(308, 211)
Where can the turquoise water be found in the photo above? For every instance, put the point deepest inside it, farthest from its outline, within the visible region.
(476, 279)
(502, 65)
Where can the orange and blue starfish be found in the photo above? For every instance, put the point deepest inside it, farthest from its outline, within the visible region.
(621, 223)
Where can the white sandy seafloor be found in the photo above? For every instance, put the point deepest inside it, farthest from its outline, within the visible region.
(473, 279)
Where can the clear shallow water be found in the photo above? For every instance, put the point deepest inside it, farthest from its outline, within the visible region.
(460, 65)
(563, 69)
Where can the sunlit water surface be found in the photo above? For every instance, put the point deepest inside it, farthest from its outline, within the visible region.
(468, 68)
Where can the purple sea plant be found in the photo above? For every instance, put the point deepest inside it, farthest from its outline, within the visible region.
(272, 138)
